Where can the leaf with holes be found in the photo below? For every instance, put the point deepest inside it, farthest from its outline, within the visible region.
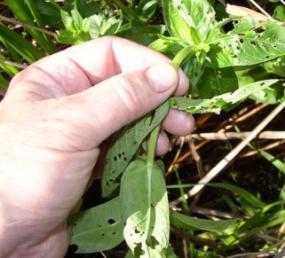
(225, 101)
(248, 47)
(189, 20)
(145, 209)
(98, 229)
(215, 82)
(126, 146)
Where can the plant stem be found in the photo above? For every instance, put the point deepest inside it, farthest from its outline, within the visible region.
(152, 146)
(182, 55)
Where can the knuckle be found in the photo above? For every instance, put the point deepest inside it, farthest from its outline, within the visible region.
(129, 92)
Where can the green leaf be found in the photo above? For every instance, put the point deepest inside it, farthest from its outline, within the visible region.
(244, 48)
(187, 222)
(279, 13)
(216, 82)
(189, 20)
(3, 82)
(145, 209)
(143, 34)
(26, 11)
(146, 9)
(125, 147)
(277, 163)
(178, 26)
(20, 45)
(247, 196)
(221, 102)
(276, 67)
(99, 228)
(167, 45)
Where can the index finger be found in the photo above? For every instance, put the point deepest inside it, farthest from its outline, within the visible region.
(80, 67)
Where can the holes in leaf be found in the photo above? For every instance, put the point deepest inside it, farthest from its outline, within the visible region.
(241, 40)
(114, 233)
(137, 231)
(253, 43)
(259, 30)
(111, 221)
(99, 226)
(103, 234)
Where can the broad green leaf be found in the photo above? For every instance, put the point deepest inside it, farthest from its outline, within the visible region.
(99, 228)
(276, 67)
(50, 14)
(125, 147)
(145, 209)
(263, 43)
(143, 34)
(20, 45)
(167, 45)
(189, 20)
(177, 25)
(221, 102)
(215, 82)
(279, 13)
(100, 25)
(187, 222)
(202, 15)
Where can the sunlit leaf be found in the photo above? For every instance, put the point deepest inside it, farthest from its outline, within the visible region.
(145, 209)
(99, 228)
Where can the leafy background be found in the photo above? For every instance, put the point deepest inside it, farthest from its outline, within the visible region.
(235, 65)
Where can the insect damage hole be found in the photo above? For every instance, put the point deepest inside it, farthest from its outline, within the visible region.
(111, 221)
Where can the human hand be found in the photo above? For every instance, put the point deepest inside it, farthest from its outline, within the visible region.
(52, 124)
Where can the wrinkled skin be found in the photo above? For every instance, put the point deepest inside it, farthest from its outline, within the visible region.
(53, 119)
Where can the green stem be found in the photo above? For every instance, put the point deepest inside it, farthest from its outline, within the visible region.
(182, 55)
(152, 146)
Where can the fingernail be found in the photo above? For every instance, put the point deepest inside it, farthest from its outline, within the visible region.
(162, 77)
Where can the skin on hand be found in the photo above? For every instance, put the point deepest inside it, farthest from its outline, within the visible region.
(54, 117)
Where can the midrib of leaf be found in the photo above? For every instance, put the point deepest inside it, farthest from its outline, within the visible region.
(149, 169)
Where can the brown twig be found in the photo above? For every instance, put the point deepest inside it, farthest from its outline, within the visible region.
(260, 9)
(265, 148)
(25, 25)
(197, 158)
(229, 158)
(214, 214)
(221, 136)
(242, 116)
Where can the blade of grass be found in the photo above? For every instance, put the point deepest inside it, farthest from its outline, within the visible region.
(22, 12)
(3, 82)
(20, 45)
(277, 163)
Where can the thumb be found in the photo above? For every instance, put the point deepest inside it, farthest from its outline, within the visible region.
(115, 102)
